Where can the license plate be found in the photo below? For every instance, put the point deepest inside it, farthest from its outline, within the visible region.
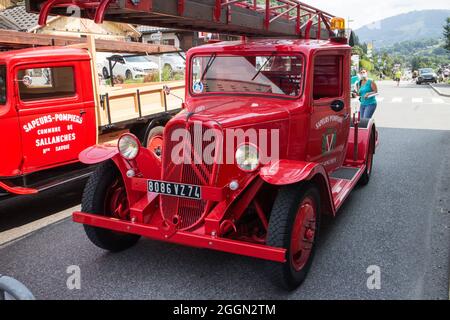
(175, 189)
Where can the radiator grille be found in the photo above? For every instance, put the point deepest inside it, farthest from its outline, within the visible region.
(197, 172)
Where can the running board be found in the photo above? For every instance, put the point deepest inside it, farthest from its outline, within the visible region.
(343, 181)
(38, 182)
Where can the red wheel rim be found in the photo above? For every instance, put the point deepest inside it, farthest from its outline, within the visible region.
(154, 144)
(303, 234)
(116, 201)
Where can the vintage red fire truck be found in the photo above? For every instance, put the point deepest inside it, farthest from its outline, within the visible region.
(52, 107)
(266, 143)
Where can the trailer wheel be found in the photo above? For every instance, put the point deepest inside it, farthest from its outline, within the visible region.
(154, 140)
(294, 225)
(128, 75)
(365, 178)
(105, 195)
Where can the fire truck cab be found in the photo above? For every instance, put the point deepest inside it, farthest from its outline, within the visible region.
(47, 112)
(266, 144)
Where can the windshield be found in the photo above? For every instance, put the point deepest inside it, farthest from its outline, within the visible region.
(137, 59)
(428, 70)
(269, 74)
(2, 85)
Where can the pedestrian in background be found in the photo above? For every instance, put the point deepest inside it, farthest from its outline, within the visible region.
(398, 77)
(367, 91)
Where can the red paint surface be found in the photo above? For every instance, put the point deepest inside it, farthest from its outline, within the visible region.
(48, 132)
(314, 141)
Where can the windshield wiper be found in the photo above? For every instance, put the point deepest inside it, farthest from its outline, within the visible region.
(262, 67)
(208, 65)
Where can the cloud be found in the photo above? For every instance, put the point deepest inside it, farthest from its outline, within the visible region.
(366, 12)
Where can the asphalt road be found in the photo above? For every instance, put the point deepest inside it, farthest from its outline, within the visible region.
(399, 222)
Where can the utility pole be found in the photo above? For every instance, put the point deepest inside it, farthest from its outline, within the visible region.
(349, 20)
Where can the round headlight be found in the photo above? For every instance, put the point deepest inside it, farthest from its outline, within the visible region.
(247, 157)
(129, 146)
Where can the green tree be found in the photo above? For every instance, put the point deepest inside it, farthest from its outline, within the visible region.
(447, 34)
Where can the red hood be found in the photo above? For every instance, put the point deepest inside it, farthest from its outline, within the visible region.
(237, 111)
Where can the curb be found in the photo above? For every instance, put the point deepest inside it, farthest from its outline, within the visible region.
(439, 92)
(12, 235)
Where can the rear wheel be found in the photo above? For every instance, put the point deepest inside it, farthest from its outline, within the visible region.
(105, 195)
(365, 178)
(154, 140)
(128, 75)
(294, 225)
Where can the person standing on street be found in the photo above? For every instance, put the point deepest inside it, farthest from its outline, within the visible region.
(398, 77)
(367, 91)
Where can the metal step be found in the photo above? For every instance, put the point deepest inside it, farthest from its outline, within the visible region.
(345, 173)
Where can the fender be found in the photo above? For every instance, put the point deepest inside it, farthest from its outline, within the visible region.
(287, 172)
(98, 153)
(365, 129)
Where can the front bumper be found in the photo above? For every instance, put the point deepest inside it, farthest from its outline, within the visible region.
(427, 79)
(183, 237)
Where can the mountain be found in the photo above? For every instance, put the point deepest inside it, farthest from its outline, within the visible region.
(415, 25)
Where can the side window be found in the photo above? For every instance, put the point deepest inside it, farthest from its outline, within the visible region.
(46, 83)
(2, 85)
(327, 76)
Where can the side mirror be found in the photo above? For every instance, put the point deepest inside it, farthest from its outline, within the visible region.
(167, 91)
(27, 81)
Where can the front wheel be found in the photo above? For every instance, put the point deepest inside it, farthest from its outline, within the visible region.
(294, 225)
(105, 195)
(105, 73)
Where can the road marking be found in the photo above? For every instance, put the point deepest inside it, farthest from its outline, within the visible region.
(397, 100)
(417, 100)
(438, 100)
(22, 231)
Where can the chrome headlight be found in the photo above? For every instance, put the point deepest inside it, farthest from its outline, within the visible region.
(247, 157)
(128, 146)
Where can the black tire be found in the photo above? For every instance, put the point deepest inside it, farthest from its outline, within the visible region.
(128, 75)
(280, 231)
(105, 73)
(156, 131)
(93, 201)
(365, 178)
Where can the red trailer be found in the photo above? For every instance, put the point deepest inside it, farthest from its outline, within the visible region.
(264, 147)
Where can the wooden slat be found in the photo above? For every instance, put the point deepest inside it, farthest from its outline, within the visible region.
(15, 39)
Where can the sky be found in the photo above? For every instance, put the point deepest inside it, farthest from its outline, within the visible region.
(366, 11)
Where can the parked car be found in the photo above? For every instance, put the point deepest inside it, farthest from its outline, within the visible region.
(129, 67)
(427, 75)
(173, 62)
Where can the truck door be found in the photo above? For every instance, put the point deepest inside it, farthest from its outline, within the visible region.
(330, 117)
(56, 123)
